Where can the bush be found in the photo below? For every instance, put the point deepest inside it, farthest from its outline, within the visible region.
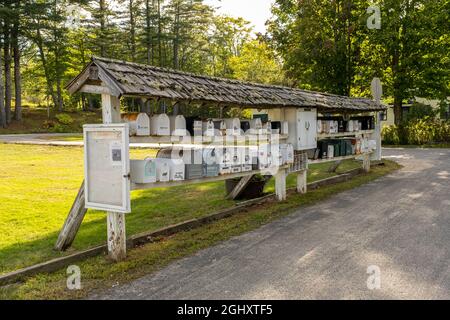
(64, 118)
(390, 135)
(417, 132)
(420, 111)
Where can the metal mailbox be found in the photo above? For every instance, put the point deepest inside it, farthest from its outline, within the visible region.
(160, 125)
(139, 123)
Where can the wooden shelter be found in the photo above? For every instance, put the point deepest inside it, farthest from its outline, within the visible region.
(119, 78)
(114, 79)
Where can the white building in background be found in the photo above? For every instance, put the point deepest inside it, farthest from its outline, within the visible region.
(389, 116)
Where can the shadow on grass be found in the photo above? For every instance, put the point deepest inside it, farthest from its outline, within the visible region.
(152, 209)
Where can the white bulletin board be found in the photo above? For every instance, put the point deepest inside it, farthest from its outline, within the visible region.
(107, 167)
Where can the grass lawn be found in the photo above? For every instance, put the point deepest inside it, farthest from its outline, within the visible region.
(33, 121)
(38, 186)
(99, 273)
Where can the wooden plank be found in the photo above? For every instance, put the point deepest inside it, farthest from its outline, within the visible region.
(366, 163)
(72, 223)
(344, 134)
(117, 241)
(280, 185)
(334, 166)
(236, 192)
(136, 186)
(302, 182)
(89, 88)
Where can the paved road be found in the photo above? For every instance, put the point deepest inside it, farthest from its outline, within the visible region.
(400, 223)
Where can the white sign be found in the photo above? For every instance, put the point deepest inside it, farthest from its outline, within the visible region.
(107, 167)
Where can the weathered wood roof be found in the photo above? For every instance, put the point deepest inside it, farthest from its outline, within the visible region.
(122, 78)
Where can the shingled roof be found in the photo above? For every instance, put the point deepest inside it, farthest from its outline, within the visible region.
(131, 79)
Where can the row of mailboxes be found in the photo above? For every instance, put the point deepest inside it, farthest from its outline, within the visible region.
(177, 163)
(157, 170)
(164, 125)
(158, 125)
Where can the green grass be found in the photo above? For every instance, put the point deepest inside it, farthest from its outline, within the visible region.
(63, 138)
(39, 184)
(33, 121)
(99, 273)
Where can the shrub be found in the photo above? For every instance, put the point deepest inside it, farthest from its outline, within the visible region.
(417, 132)
(390, 135)
(48, 124)
(64, 118)
(420, 111)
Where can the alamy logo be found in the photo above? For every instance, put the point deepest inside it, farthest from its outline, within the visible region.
(74, 278)
(374, 20)
(374, 279)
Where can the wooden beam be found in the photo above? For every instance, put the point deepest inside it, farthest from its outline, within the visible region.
(236, 192)
(366, 162)
(110, 109)
(302, 181)
(117, 242)
(89, 88)
(280, 185)
(72, 223)
(334, 166)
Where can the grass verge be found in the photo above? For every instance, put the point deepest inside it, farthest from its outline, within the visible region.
(98, 273)
(39, 184)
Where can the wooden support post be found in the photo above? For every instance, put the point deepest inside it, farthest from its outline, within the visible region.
(366, 163)
(280, 185)
(72, 223)
(239, 187)
(117, 242)
(334, 166)
(302, 182)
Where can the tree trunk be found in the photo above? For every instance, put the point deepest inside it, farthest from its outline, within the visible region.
(398, 94)
(132, 32)
(2, 96)
(159, 34)
(8, 84)
(398, 103)
(17, 75)
(148, 33)
(103, 8)
(40, 45)
(176, 40)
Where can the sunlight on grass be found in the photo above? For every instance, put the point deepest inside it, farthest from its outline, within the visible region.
(39, 184)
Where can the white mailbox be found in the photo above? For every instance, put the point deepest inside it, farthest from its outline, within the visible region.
(178, 125)
(162, 170)
(208, 128)
(139, 123)
(256, 126)
(302, 128)
(143, 171)
(233, 126)
(107, 167)
(160, 125)
(287, 153)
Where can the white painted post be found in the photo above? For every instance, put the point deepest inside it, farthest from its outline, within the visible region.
(117, 242)
(366, 162)
(280, 185)
(302, 182)
(376, 155)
